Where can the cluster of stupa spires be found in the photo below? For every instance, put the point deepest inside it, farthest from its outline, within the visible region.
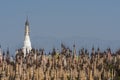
(63, 65)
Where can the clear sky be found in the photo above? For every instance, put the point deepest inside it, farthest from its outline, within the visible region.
(59, 19)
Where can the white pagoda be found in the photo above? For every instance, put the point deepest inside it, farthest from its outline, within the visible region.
(27, 43)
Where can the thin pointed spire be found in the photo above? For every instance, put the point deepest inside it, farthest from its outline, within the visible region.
(7, 50)
(0, 49)
(27, 22)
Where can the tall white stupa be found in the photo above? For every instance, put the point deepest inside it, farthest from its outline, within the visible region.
(27, 43)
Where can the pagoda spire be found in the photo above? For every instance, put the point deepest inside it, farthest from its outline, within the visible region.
(27, 43)
(0, 54)
(27, 22)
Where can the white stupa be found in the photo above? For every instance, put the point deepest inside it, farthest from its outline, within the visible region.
(27, 43)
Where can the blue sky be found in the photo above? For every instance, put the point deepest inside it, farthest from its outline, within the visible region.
(59, 19)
